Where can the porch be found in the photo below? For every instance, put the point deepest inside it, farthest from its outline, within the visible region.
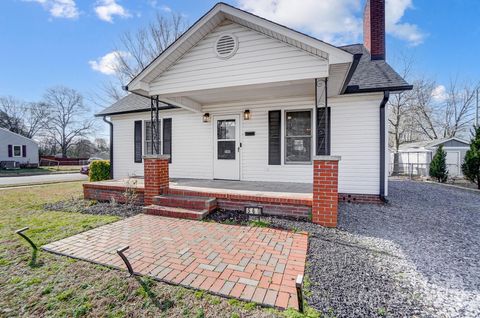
(276, 198)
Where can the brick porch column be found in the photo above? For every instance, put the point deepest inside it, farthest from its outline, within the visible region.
(155, 169)
(325, 190)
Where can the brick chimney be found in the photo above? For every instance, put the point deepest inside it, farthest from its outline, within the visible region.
(374, 28)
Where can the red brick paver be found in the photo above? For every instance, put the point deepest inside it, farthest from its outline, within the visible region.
(254, 264)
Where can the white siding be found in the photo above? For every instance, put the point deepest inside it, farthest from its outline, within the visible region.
(9, 138)
(259, 59)
(355, 137)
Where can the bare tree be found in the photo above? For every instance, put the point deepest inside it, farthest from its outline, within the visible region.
(136, 50)
(11, 114)
(459, 108)
(443, 116)
(68, 120)
(27, 119)
(424, 110)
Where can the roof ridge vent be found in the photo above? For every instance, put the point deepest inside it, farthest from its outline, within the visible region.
(226, 45)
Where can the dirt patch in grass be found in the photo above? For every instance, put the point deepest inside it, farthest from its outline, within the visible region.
(40, 284)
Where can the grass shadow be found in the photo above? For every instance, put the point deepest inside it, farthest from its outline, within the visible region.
(34, 263)
(146, 286)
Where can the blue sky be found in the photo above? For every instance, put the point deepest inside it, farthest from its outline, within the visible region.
(50, 42)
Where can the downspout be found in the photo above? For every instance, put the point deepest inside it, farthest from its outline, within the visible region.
(111, 145)
(386, 95)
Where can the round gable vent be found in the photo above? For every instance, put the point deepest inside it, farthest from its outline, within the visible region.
(226, 46)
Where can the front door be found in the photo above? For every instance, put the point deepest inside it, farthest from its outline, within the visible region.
(226, 163)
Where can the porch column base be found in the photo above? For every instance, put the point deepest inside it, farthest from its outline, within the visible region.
(156, 176)
(325, 190)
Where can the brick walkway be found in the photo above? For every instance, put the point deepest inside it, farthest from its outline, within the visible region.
(253, 264)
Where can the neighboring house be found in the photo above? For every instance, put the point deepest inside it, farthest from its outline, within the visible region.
(240, 97)
(415, 157)
(17, 149)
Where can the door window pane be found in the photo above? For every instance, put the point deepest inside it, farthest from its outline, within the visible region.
(226, 129)
(226, 150)
(298, 140)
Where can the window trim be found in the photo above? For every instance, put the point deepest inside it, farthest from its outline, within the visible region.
(312, 136)
(13, 151)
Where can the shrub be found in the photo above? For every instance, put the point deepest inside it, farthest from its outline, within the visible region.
(99, 170)
(471, 165)
(438, 166)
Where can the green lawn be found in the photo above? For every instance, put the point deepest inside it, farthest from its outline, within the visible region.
(38, 171)
(43, 284)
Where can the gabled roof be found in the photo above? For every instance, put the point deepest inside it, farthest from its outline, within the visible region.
(18, 135)
(130, 104)
(216, 15)
(425, 144)
(372, 75)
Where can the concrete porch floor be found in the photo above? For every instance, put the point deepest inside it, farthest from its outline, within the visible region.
(249, 263)
(255, 188)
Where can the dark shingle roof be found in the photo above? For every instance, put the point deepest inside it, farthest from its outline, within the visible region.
(130, 104)
(372, 75)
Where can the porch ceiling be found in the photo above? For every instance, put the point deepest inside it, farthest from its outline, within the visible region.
(276, 90)
(249, 92)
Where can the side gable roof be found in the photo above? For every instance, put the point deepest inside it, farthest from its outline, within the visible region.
(223, 11)
(17, 135)
(369, 75)
(432, 143)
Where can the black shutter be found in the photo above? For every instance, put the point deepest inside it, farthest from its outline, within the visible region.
(137, 141)
(10, 151)
(274, 137)
(323, 136)
(167, 137)
(24, 150)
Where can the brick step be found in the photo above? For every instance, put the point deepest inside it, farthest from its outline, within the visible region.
(174, 212)
(186, 202)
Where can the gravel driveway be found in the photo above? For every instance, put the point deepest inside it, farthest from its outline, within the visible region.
(419, 255)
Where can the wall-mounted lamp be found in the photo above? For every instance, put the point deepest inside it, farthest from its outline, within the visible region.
(246, 114)
(206, 117)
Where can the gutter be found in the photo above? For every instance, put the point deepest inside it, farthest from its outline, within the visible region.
(111, 145)
(386, 96)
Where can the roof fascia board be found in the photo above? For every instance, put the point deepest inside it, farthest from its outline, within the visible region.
(134, 83)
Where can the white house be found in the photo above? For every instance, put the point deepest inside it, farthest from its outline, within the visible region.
(415, 157)
(240, 97)
(17, 150)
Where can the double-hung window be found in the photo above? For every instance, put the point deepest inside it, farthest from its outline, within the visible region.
(17, 151)
(148, 140)
(298, 136)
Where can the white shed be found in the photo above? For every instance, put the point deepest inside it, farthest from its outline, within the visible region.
(17, 148)
(414, 158)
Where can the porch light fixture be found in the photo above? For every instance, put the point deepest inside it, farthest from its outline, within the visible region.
(246, 114)
(206, 117)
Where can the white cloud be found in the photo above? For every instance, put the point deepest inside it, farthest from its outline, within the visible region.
(439, 93)
(59, 8)
(108, 64)
(394, 12)
(334, 21)
(107, 9)
(166, 8)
